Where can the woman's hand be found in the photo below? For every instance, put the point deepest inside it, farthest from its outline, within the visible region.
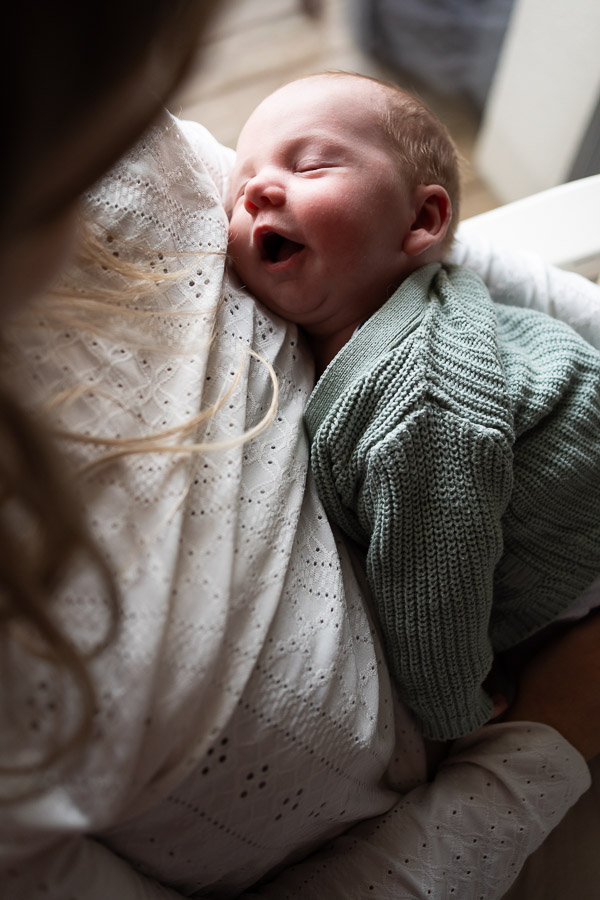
(560, 686)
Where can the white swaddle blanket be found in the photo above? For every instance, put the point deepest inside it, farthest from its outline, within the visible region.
(520, 278)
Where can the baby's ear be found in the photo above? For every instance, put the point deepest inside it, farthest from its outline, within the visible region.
(432, 211)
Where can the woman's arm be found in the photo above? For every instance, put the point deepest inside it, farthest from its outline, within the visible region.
(464, 835)
(495, 798)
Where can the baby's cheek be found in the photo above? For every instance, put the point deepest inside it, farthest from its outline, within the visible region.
(235, 240)
(239, 255)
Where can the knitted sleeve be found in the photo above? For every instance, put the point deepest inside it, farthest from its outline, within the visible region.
(415, 460)
(434, 496)
(552, 525)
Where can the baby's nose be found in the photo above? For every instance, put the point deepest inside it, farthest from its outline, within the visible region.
(263, 190)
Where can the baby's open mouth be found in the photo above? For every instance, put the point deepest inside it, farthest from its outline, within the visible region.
(277, 248)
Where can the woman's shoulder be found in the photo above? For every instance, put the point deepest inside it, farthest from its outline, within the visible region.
(217, 158)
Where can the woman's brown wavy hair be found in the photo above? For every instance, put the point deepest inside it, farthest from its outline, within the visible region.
(61, 62)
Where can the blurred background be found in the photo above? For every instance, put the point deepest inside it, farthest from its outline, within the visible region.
(517, 82)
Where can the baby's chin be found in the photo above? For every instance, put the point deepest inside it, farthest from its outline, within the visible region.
(247, 283)
(272, 304)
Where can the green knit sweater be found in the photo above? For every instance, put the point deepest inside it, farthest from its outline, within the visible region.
(459, 442)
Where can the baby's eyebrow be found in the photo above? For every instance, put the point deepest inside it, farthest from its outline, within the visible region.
(320, 138)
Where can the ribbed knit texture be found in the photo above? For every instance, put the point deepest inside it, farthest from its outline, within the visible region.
(459, 442)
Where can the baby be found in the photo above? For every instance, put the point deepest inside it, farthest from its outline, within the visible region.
(456, 440)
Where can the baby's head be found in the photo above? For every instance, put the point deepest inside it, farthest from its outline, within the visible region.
(342, 187)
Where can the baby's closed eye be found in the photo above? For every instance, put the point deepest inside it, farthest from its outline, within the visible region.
(313, 166)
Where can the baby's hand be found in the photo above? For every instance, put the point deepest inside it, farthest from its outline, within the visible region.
(500, 705)
(498, 689)
(560, 686)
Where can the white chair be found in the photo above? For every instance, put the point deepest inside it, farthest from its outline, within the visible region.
(561, 225)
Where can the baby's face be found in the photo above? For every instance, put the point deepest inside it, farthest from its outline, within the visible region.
(318, 208)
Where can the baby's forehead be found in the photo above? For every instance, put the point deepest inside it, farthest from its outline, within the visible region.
(360, 94)
(337, 102)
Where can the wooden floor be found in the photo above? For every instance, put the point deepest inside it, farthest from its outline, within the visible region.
(254, 46)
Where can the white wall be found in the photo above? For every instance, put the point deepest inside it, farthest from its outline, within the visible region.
(545, 90)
